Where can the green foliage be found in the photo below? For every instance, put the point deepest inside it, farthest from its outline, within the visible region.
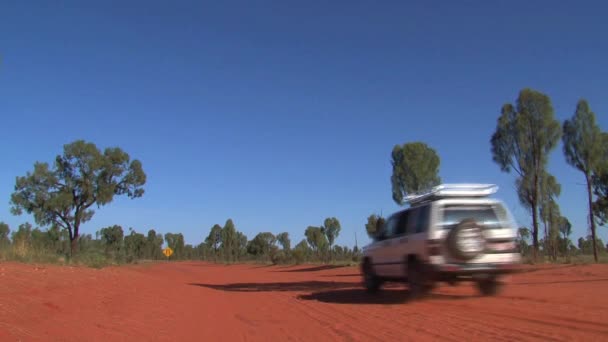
(584, 150)
(262, 245)
(154, 245)
(63, 194)
(214, 239)
(283, 239)
(523, 234)
(525, 135)
(331, 228)
(230, 243)
(301, 253)
(374, 225)
(316, 239)
(135, 245)
(112, 240)
(415, 169)
(176, 243)
(242, 244)
(586, 245)
(4, 232)
(600, 185)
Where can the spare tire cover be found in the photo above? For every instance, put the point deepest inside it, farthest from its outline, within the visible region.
(466, 241)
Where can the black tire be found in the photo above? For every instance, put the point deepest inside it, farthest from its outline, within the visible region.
(489, 287)
(370, 280)
(418, 280)
(466, 226)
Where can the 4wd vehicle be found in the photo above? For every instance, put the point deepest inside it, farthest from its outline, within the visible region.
(452, 233)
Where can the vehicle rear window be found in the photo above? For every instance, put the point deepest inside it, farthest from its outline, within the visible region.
(486, 215)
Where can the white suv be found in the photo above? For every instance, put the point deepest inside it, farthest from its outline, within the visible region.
(452, 233)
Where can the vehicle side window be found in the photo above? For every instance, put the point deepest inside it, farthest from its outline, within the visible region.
(390, 227)
(422, 219)
(419, 219)
(403, 223)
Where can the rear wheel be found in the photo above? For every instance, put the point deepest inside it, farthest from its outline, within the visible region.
(489, 286)
(370, 279)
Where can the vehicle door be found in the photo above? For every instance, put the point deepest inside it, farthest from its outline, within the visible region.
(417, 229)
(398, 245)
(381, 257)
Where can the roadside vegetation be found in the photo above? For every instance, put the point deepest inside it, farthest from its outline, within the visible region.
(60, 198)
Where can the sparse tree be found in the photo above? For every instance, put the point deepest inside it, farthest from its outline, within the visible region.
(283, 239)
(4, 234)
(135, 245)
(112, 239)
(214, 239)
(301, 252)
(525, 135)
(242, 244)
(415, 169)
(523, 234)
(584, 150)
(262, 245)
(374, 225)
(176, 243)
(316, 239)
(229, 241)
(22, 238)
(63, 194)
(331, 228)
(154, 243)
(565, 228)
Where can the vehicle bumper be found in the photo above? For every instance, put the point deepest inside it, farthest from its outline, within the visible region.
(473, 271)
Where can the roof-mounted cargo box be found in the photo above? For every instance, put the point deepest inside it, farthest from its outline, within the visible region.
(453, 191)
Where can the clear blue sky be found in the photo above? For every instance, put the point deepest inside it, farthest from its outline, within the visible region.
(278, 114)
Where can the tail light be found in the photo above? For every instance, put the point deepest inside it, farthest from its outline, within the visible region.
(434, 247)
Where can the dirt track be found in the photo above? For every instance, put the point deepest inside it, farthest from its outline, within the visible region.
(206, 302)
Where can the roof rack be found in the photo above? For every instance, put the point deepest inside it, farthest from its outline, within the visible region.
(453, 190)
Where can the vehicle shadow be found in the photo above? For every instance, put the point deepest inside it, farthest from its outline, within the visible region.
(279, 286)
(331, 292)
(313, 269)
(361, 296)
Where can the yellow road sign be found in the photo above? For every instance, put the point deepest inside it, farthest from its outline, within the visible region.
(167, 252)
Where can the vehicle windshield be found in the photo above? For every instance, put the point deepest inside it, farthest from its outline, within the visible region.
(489, 216)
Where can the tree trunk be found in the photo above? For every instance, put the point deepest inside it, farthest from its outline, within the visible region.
(73, 245)
(591, 218)
(534, 232)
(546, 240)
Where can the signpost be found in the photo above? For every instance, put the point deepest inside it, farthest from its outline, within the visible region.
(167, 252)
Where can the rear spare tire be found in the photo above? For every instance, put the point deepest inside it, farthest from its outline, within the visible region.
(466, 241)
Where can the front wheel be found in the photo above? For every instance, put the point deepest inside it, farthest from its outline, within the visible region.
(370, 280)
(418, 281)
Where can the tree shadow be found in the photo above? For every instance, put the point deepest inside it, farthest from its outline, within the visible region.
(267, 287)
(361, 296)
(313, 269)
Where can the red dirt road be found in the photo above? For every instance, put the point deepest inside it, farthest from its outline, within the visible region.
(207, 302)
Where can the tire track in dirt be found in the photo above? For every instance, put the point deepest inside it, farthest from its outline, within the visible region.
(193, 301)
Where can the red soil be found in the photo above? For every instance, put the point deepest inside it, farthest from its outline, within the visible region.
(205, 302)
